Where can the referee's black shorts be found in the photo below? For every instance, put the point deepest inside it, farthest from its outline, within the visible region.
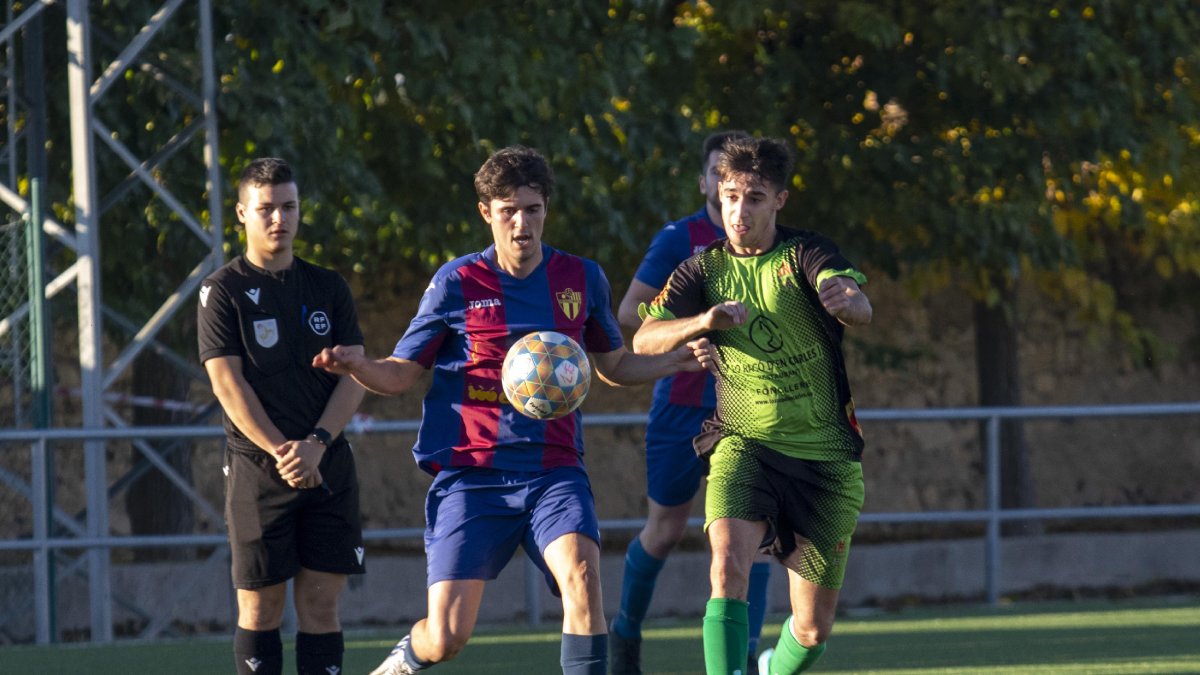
(275, 529)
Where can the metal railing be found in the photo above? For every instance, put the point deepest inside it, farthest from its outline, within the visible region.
(992, 515)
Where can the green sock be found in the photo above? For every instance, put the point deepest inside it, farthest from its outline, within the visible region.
(726, 629)
(790, 656)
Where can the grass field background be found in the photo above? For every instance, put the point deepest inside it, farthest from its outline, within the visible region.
(1156, 635)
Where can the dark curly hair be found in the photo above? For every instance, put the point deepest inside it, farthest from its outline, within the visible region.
(769, 159)
(511, 168)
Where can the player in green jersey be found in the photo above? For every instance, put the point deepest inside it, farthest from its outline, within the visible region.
(768, 305)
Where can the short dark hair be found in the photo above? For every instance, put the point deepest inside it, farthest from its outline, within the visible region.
(264, 171)
(769, 159)
(510, 168)
(714, 141)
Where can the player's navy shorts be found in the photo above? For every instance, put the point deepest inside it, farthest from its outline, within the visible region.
(673, 471)
(476, 518)
(275, 529)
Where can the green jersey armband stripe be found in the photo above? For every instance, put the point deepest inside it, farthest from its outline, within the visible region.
(662, 313)
(852, 273)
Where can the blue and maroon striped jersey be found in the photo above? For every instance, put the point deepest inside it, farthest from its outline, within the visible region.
(471, 313)
(675, 242)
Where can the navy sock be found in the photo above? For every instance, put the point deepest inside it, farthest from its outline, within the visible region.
(258, 652)
(760, 576)
(410, 657)
(319, 653)
(637, 588)
(584, 654)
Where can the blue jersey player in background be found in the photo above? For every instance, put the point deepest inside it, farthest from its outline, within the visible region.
(680, 404)
(503, 480)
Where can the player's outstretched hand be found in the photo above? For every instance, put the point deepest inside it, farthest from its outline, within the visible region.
(725, 315)
(704, 354)
(339, 360)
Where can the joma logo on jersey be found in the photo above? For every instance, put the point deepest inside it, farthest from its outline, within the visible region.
(569, 301)
(483, 304)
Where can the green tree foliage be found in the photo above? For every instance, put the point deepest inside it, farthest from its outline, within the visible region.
(972, 143)
(945, 142)
(389, 108)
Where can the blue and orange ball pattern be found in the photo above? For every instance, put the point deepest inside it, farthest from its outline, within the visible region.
(546, 375)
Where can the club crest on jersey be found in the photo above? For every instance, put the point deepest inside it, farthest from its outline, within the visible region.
(785, 274)
(266, 332)
(569, 301)
(319, 322)
(204, 291)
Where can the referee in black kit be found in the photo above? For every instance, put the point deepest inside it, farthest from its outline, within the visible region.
(291, 491)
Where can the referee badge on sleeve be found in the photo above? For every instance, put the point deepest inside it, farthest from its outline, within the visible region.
(266, 332)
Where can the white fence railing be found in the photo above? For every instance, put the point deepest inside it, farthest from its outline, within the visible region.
(42, 545)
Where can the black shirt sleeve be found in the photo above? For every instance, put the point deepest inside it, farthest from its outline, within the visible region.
(683, 294)
(218, 327)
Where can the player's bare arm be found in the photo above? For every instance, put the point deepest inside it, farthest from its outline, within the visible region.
(657, 336)
(845, 301)
(240, 402)
(622, 367)
(386, 377)
(299, 460)
(638, 293)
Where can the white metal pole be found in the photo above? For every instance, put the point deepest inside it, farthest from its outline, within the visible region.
(91, 363)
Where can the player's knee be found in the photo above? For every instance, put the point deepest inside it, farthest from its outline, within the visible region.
(582, 578)
(664, 534)
(729, 575)
(317, 614)
(811, 632)
(261, 612)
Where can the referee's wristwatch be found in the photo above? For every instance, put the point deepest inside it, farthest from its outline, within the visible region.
(321, 436)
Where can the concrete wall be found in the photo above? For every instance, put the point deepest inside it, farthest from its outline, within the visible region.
(197, 596)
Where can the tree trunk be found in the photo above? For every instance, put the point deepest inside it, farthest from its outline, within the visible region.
(154, 503)
(997, 362)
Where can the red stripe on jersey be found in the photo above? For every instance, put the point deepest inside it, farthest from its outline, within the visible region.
(569, 297)
(486, 328)
(687, 388)
(428, 355)
(703, 232)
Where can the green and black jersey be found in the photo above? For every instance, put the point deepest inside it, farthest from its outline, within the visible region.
(782, 377)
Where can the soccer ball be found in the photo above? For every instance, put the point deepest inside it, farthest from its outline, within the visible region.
(546, 375)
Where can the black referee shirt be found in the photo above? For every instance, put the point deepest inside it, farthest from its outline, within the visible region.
(277, 322)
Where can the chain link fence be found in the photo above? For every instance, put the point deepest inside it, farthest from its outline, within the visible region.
(14, 322)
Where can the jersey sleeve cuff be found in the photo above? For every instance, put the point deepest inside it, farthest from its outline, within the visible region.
(656, 311)
(852, 273)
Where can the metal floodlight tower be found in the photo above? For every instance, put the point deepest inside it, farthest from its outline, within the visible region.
(96, 376)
